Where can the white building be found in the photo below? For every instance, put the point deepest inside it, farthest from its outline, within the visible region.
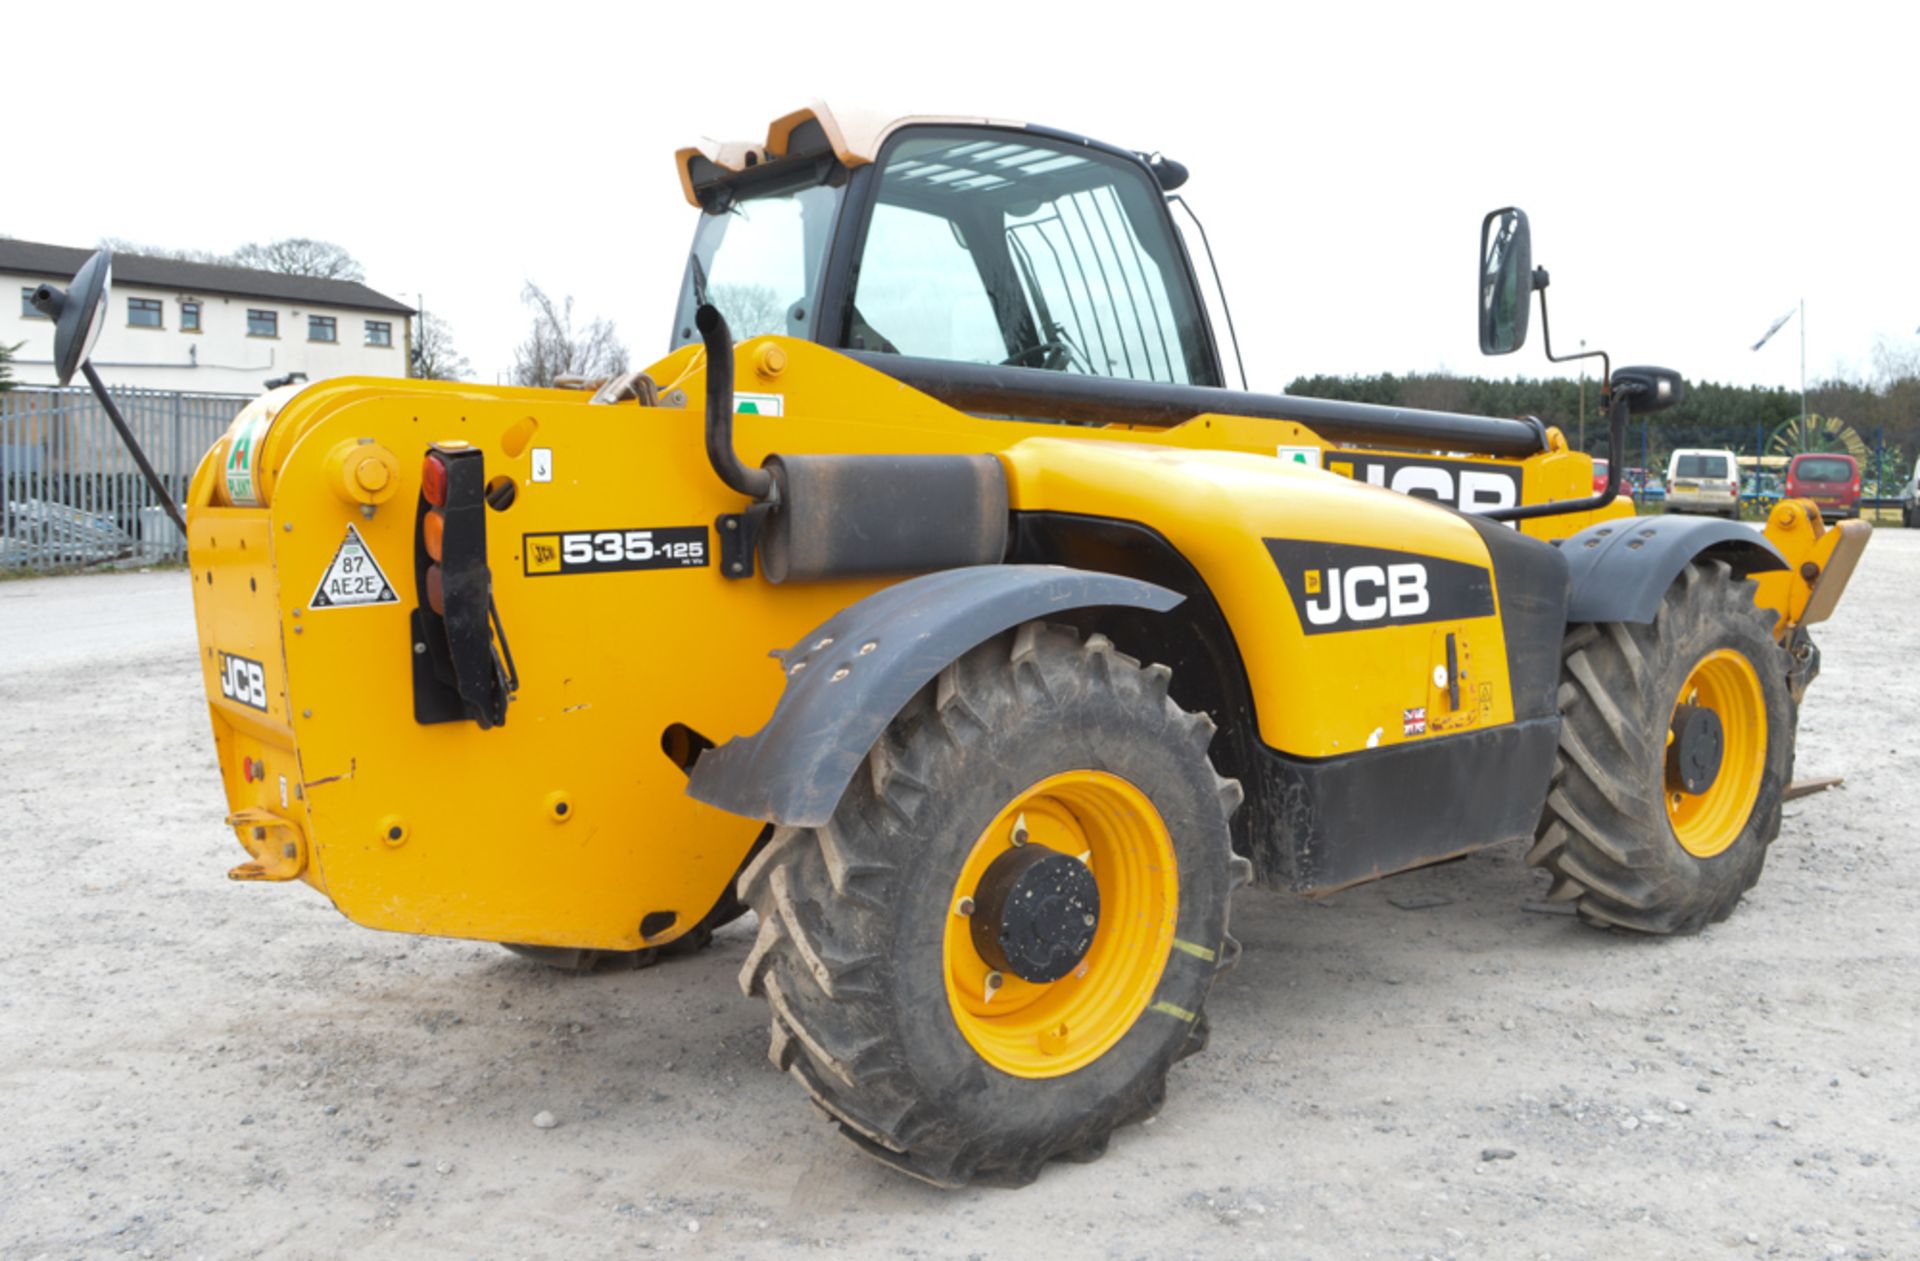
(201, 327)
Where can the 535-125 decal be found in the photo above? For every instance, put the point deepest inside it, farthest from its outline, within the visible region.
(613, 551)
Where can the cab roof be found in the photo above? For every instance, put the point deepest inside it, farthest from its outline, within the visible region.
(853, 136)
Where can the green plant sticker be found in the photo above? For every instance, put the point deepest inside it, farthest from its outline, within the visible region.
(243, 454)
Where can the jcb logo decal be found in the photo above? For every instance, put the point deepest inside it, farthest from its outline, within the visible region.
(1369, 593)
(243, 679)
(1456, 483)
(1339, 587)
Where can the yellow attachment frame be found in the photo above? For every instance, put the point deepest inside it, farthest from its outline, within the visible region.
(1820, 561)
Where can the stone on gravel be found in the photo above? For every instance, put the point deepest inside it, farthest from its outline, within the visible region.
(544, 1120)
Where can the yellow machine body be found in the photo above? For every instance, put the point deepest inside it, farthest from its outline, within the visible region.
(569, 824)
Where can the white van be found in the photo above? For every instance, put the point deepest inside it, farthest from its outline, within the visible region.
(1704, 480)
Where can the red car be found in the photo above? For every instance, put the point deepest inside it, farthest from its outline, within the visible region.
(1831, 481)
(1600, 475)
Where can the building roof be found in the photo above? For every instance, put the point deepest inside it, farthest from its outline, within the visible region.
(32, 258)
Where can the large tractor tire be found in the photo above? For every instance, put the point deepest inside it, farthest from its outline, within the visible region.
(1676, 742)
(1004, 938)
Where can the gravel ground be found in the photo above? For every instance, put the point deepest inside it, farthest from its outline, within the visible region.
(190, 1067)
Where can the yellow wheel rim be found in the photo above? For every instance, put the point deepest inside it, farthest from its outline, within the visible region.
(1034, 1030)
(1706, 823)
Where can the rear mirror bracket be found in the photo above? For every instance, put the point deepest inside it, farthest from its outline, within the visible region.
(79, 313)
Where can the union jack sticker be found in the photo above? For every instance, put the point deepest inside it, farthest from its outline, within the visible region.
(1413, 722)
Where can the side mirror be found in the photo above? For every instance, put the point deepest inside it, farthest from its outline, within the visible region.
(1648, 389)
(1506, 281)
(79, 313)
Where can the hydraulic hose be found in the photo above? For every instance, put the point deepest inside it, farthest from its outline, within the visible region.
(755, 483)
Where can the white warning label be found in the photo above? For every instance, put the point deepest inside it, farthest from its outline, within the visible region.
(354, 577)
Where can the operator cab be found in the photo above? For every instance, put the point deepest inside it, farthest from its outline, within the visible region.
(962, 241)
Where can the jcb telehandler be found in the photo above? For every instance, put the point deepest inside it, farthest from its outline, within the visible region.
(494, 663)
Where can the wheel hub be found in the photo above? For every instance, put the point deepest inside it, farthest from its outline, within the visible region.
(1698, 744)
(1035, 913)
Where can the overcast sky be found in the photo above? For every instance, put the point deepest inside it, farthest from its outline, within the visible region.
(1690, 176)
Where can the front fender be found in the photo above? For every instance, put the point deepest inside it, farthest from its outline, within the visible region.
(847, 678)
(1621, 569)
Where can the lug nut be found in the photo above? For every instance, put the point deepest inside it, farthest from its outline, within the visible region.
(964, 907)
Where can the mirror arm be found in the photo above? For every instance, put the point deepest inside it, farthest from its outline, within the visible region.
(1616, 454)
(133, 446)
(1540, 281)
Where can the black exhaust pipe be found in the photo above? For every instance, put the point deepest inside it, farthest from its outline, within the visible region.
(755, 483)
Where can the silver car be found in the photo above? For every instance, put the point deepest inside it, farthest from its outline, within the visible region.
(1705, 480)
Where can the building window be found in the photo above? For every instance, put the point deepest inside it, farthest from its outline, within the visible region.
(189, 317)
(321, 328)
(379, 333)
(263, 323)
(29, 312)
(143, 313)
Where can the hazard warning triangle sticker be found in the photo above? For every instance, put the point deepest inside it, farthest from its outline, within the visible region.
(353, 578)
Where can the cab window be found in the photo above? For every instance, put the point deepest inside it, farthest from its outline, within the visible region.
(759, 259)
(915, 254)
(1006, 247)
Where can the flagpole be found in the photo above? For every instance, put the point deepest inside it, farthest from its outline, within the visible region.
(1804, 427)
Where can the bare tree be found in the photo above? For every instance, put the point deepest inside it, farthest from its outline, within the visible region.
(553, 348)
(434, 358)
(300, 256)
(1894, 362)
(750, 309)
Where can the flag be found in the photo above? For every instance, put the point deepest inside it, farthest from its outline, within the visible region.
(1773, 328)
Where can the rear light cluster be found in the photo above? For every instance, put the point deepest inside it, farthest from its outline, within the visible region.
(462, 667)
(433, 527)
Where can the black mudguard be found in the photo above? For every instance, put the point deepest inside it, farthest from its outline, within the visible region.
(1622, 569)
(846, 679)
